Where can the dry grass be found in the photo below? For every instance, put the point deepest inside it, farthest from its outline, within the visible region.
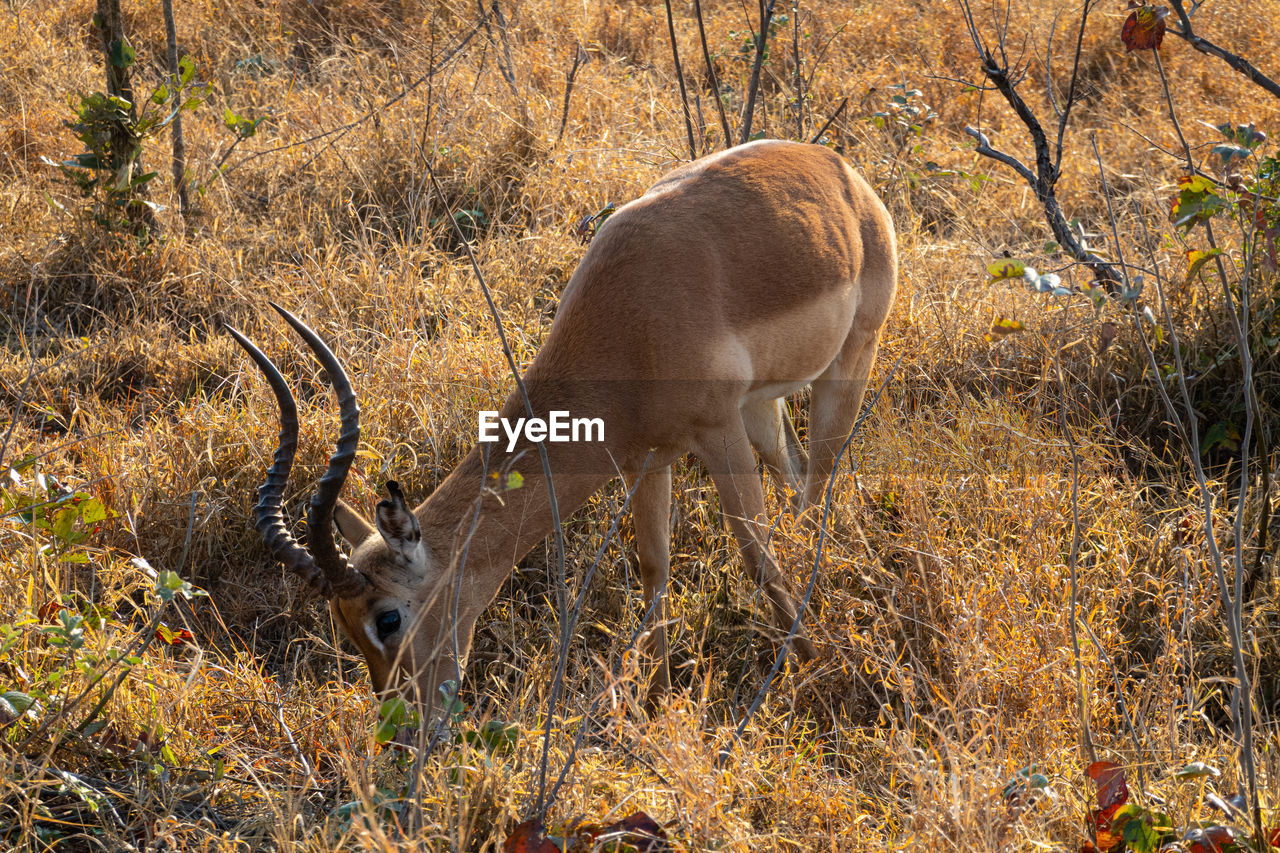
(942, 611)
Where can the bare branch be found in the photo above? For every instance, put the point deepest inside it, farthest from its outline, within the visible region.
(1237, 63)
(835, 115)
(1071, 90)
(1045, 176)
(578, 56)
(684, 95)
(984, 148)
(175, 127)
(711, 75)
(762, 39)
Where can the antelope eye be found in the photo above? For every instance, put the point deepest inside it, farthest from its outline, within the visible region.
(387, 623)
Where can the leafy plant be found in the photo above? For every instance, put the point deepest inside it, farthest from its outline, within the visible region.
(1122, 824)
(61, 656)
(109, 171)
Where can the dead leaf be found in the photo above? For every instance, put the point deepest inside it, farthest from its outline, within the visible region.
(638, 832)
(1144, 28)
(1106, 335)
(1003, 327)
(48, 611)
(1113, 792)
(529, 837)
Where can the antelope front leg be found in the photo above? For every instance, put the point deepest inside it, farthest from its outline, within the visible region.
(651, 514)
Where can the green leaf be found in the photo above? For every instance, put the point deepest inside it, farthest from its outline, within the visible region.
(393, 711)
(171, 584)
(385, 732)
(514, 480)
(1006, 270)
(1231, 152)
(160, 95)
(63, 522)
(74, 557)
(92, 511)
(498, 737)
(15, 703)
(1197, 258)
(186, 70)
(1196, 770)
(24, 463)
(1197, 201)
(1143, 830)
(122, 53)
(453, 706)
(1224, 434)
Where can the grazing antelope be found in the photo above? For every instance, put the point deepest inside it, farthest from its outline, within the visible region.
(734, 281)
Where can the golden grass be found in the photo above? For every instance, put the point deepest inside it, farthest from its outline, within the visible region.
(942, 610)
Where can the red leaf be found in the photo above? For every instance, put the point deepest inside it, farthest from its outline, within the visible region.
(1108, 841)
(1144, 28)
(528, 837)
(48, 611)
(1112, 794)
(167, 635)
(109, 737)
(1109, 777)
(1212, 839)
(639, 832)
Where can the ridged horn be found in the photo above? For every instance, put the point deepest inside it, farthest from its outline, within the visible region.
(323, 566)
(345, 581)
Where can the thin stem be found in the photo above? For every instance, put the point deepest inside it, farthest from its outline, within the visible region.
(179, 145)
(711, 76)
(578, 55)
(799, 78)
(1173, 115)
(684, 96)
(762, 39)
(1071, 89)
(1073, 562)
(827, 124)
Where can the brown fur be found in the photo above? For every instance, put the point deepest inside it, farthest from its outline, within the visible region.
(733, 281)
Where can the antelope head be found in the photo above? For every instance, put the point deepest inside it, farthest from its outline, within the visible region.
(388, 591)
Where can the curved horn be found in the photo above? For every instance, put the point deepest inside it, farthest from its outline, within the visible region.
(331, 577)
(344, 581)
(270, 521)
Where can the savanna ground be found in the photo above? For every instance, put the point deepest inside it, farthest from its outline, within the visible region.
(943, 608)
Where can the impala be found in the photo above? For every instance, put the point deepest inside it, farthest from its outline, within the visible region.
(734, 281)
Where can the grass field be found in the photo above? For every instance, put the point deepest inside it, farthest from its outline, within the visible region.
(943, 609)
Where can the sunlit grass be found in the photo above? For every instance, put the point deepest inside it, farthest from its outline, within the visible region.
(941, 610)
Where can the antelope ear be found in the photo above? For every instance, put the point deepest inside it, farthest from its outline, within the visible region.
(397, 523)
(351, 526)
